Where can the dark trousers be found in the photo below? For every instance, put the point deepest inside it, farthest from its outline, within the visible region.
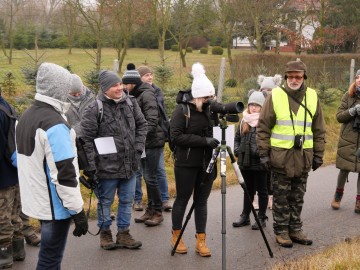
(53, 240)
(188, 180)
(256, 181)
(150, 167)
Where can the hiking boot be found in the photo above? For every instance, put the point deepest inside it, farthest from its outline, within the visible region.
(181, 248)
(147, 215)
(138, 206)
(166, 206)
(32, 239)
(156, 219)
(125, 240)
(243, 221)
(18, 247)
(284, 240)
(6, 258)
(262, 220)
(357, 206)
(106, 240)
(335, 204)
(300, 238)
(200, 246)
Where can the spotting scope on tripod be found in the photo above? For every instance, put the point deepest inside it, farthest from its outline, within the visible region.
(225, 113)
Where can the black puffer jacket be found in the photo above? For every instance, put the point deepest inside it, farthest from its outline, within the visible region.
(245, 148)
(191, 148)
(127, 126)
(145, 96)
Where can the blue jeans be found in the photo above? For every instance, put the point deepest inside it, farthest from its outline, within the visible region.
(53, 240)
(105, 193)
(161, 178)
(150, 166)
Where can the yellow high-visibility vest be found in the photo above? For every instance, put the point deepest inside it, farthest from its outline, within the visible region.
(283, 133)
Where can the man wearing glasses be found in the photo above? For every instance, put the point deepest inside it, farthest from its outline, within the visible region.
(291, 142)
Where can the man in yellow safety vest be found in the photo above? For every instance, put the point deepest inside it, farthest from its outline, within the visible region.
(291, 142)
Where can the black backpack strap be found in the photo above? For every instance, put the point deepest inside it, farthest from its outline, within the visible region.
(186, 111)
(100, 111)
(129, 102)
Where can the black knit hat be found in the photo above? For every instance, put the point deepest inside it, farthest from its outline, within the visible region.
(131, 75)
(107, 79)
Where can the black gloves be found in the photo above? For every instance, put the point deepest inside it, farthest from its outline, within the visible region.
(90, 174)
(81, 224)
(265, 161)
(317, 162)
(212, 142)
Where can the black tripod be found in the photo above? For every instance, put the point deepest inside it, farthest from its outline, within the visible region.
(222, 149)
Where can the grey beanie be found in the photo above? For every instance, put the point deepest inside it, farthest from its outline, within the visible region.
(257, 98)
(131, 75)
(53, 81)
(107, 79)
(76, 85)
(357, 73)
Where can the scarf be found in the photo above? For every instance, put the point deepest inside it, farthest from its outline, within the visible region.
(251, 118)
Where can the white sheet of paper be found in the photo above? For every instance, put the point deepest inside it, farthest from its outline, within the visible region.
(105, 145)
(229, 136)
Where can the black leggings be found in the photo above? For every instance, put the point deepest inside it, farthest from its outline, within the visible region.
(188, 180)
(255, 181)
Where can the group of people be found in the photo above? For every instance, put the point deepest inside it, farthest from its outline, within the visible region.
(123, 131)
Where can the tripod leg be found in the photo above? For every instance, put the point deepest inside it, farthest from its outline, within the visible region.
(188, 216)
(243, 185)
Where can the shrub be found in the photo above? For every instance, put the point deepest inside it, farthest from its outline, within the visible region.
(8, 84)
(92, 80)
(204, 50)
(175, 48)
(217, 50)
(231, 83)
(163, 75)
(189, 49)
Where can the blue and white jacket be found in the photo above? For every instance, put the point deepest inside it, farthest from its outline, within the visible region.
(47, 161)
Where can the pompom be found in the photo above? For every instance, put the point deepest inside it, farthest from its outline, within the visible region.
(130, 66)
(260, 79)
(277, 79)
(197, 70)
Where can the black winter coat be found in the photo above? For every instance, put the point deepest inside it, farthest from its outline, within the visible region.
(191, 147)
(127, 126)
(245, 148)
(145, 96)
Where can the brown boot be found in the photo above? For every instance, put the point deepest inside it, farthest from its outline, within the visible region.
(335, 204)
(156, 219)
(148, 215)
(32, 239)
(284, 240)
(106, 240)
(300, 238)
(200, 246)
(357, 206)
(125, 240)
(181, 248)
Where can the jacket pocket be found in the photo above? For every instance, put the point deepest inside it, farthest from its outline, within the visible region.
(308, 158)
(109, 163)
(278, 157)
(182, 154)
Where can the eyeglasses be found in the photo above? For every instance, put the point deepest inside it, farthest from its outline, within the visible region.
(298, 78)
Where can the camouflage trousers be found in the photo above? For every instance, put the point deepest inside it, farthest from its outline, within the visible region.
(288, 200)
(10, 221)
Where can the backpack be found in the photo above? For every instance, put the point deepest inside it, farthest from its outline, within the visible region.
(186, 111)
(101, 108)
(10, 151)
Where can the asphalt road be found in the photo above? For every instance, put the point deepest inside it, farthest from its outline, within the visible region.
(235, 248)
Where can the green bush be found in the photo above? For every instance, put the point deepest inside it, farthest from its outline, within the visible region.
(217, 50)
(8, 85)
(231, 83)
(92, 80)
(163, 75)
(189, 49)
(204, 50)
(175, 48)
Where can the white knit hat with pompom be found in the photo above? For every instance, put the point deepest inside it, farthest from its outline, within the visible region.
(201, 85)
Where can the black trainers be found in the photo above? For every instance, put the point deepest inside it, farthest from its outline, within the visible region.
(262, 221)
(243, 221)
